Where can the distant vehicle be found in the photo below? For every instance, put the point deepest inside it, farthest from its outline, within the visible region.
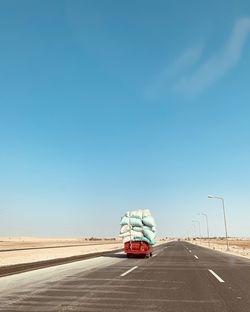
(138, 248)
(138, 232)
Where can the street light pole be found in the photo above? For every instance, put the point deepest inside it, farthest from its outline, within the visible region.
(199, 227)
(194, 228)
(204, 214)
(224, 213)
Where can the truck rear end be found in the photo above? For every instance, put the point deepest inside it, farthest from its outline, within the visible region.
(138, 248)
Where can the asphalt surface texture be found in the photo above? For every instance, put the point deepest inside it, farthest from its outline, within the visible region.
(179, 277)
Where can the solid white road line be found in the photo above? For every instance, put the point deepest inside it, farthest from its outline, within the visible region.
(127, 272)
(196, 257)
(216, 276)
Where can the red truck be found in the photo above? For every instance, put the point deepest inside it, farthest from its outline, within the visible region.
(140, 248)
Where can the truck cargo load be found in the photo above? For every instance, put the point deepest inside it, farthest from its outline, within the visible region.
(138, 232)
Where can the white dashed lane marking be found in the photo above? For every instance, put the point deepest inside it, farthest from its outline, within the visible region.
(216, 276)
(130, 270)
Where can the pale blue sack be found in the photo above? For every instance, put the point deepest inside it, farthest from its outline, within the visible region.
(149, 221)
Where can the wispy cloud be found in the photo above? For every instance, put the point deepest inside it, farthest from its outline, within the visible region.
(183, 62)
(165, 79)
(190, 78)
(218, 65)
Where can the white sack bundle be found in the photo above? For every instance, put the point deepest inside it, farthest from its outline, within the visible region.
(131, 234)
(134, 214)
(125, 228)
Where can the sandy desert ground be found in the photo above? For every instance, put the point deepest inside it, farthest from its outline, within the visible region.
(26, 250)
(30, 242)
(239, 247)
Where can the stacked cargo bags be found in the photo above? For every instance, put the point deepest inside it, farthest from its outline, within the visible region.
(138, 225)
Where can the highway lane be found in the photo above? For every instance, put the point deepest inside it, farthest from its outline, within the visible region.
(234, 272)
(180, 277)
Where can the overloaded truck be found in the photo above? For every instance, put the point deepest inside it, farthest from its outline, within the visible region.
(138, 232)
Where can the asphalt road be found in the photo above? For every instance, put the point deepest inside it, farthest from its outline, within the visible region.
(180, 277)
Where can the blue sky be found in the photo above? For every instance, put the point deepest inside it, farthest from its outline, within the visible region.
(109, 106)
